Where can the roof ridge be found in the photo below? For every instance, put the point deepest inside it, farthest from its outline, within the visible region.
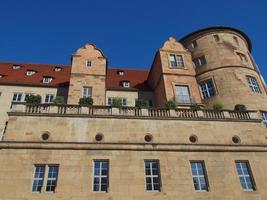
(28, 63)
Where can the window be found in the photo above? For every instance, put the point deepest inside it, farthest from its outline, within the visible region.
(194, 44)
(152, 176)
(121, 73)
(207, 89)
(264, 118)
(176, 61)
(47, 79)
(126, 84)
(30, 72)
(252, 83)
(38, 178)
(16, 67)
(17, 97)
(1, 75)
(236, 40)
(49, 98)
(57, 69)
(216, 38)
(87, 91)
(182, 94)
(52, 178)
(242, 57)
(123, 101)
(245, 175)
(200, 61)
(100, 182)
(88, 63)
(199, 176)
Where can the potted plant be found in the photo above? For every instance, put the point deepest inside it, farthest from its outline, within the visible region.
(240, 108)
(33, 99)
(86, 101)
(170, 104)
(59, 100)
(141, 103)
(217, 106)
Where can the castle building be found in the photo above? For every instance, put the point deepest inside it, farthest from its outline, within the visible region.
(180, 143)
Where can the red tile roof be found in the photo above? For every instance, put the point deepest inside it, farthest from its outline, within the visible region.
(12, 76)
(137, 79)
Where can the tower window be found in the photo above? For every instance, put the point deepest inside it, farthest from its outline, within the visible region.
(199, 176)
(216, 38)
(200, 61)
(207, 88)
(194, 44)
(87, 91)
(88, 63)
(152, 176)
(176, 60)
(252, 83)
(264, 118)
(100, 181)
(245, 175)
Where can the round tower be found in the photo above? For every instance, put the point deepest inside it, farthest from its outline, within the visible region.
(225, 69)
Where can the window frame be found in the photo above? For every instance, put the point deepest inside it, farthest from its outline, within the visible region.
(47, 79)
(151, 176)
(49, 98)
(253, 84)
(88, 63)
(198, 61)
(17, 94)
(264, 118)
(86, 92)
(100, 176)
(30, 72)
(250, 175)
(49, 166)
(207, 89)
(126, 84)
(194, 44)
(34, 178)
(123, 101)
(204, 176)
(178, 61)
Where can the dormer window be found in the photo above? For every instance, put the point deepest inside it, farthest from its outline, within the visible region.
(1, 75)
(47, 79)
(16, 67)
(88, 63)
(176, 61)
(57, 69)
(30, 72)
(120, 73)
(126, 84)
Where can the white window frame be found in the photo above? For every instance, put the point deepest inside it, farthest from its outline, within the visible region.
(205, 89)
(39, 178)
(16, 67)
(30, 72)
(17, 97)
(199, 176)
(100, 175)
(123, 100)
(87, 91)
(151, 176)
(48, 187)
(49, 98)
(264, 118)
(243, 175)
(126, 84)
(88, 63)
(120, 73)
(176, 61)
(57, 69)
(253, 84)
(47, 79)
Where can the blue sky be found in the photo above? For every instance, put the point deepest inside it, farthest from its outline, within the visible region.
(129, 32)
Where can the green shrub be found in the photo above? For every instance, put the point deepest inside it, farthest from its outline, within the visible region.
(116, 102)
(240, 108)
(217, 106)
(86, 101)
(195, 107)
(141, 103)
(59, 100)
(33, 99)
(170, 104)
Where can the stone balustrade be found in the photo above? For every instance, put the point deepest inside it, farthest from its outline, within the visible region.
(98, 111)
